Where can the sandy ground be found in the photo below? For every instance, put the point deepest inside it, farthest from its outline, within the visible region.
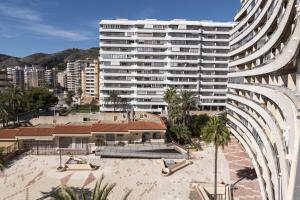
(30, 177)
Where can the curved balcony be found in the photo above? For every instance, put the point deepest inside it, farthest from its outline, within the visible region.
(269, 154)
(244, 9)
(268, 44)
(253, 37)
(287, 55)
(243, 24)
(283, 102)
(261, 160)
(242, 138)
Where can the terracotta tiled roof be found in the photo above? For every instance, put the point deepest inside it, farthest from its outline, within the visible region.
(109, 127)
(145, 125)
(8, 133)
(81, 129)
(72, 129)
(120, 127)
(35, 131)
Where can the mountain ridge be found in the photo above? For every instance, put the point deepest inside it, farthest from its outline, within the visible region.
(58, 59)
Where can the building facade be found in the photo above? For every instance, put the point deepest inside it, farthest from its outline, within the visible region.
(62, 79)
(263, 95)
(51, 77)
(141, 59)
(34, 76)
(74, 74)
(90, 79)
(84, 138)
(16, 75)
(4, 81)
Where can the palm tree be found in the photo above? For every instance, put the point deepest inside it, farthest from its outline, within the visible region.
(174, 108)
(114, 98)
(69, 97)
(15, 99)
(4, 109)
(188, 102)
(100, 192)
(216, 132)
(169, 95)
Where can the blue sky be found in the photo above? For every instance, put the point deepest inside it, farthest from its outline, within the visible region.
(31, 26)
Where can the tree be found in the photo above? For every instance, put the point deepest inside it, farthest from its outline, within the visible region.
(69, 97)
(216, 132)
(79, 91)
(40, 98)
(182, 132)
(1, 162)
(100, 192)
(4, 109)
(197, 124)
(114, 98)
(174, 108)
(188, 102)
(169, 95)
(15, 98)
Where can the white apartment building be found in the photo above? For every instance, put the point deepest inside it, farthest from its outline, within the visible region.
(51, 77)
(16, 75)
(34, 76)
(4, 81)
(263, 98)
(90, 79)
(140, 59)
(62, 79)
(74, 74)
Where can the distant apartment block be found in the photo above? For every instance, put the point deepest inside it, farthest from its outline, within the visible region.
(16, 75)
(74, 74)
(4, 81)
(51, 77)
(90, 79)
(62, 79)
(34, 76)
(141, 59)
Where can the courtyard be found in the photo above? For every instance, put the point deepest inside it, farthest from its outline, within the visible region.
(33, 177)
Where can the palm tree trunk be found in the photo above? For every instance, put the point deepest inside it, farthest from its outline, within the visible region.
(216, 169)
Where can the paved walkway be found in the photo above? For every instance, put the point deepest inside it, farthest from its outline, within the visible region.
(238, 160)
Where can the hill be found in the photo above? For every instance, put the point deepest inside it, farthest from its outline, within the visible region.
(58, 59)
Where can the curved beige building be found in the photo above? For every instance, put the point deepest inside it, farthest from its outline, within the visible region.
(263, 96)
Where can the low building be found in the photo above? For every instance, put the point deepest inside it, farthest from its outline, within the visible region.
(84, 138)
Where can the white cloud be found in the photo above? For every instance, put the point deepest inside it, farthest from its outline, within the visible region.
(31, 20)
(48, 30)
(19, 13)
(147, 12)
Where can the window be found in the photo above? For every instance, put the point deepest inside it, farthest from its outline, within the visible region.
(111, 26)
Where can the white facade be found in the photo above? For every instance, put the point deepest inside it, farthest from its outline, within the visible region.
(140, 59)
(34, 76)
(90, 79)
(62, 79)
(263, 95)
(51, 77)
(74, 74)
(16, 75)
